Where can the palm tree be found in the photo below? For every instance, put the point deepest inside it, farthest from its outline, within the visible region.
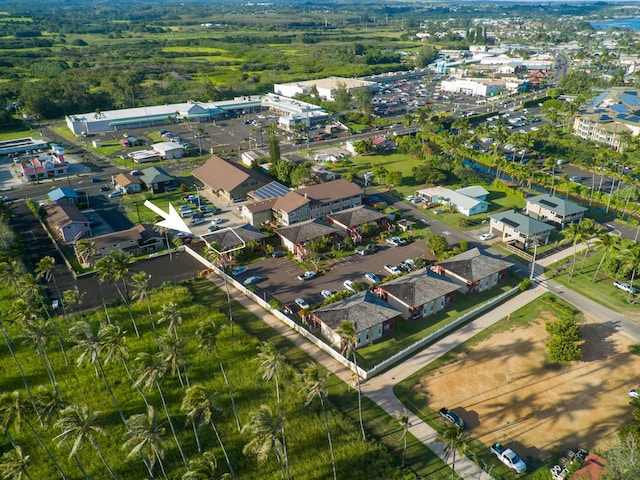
(402, 418)
(271, 363)
(631, 261)
(141, 283)
(218, 259)
(590, 230)
(13, 464)
(264, 427)
(169, 314)
(112, 347)
(199, 407)
(576, 233)
(72, 297)
(145, 437)
(111, 269)
(208, 334)
(150, 370)
(44, 269)
(314, 384)
(78, 424)
(348, 333)
(454, 441)
(171, 354)
(12, 270)
(37, 332)
(84, 250)
(7, 341)
(87, 344)
(203, 468)
(12, 411)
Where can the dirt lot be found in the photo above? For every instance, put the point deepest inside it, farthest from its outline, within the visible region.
(504, 392)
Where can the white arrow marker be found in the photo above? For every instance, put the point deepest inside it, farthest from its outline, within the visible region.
(172, 220)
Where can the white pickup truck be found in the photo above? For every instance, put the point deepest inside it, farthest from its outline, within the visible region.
(509, 458)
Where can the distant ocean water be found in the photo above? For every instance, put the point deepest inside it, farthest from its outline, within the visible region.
(630, 23)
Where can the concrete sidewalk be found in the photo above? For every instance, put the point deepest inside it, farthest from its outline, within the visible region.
(380, 388)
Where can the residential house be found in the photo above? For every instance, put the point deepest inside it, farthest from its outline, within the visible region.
(63, 194)
(317, 201)
(371, 316)
(127, 183)
(42, 167)
(417, 294)
(554, 209)
(232, 239)
(518, 228)
(296, 238)
(228, 180)
(467, 201)
(137, 240)
(354, 220)
(384, 144)
(67, 221)
(473, 270)
(251, 157)
(157, 180)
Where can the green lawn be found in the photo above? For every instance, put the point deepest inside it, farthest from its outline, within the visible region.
(601, 291)
(406, 333)
(19, 134)
(419, 405)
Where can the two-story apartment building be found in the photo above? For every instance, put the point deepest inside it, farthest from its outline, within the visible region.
(229, 181)
(136, 240)
(550, 208)
(518, 228)
(67, 221)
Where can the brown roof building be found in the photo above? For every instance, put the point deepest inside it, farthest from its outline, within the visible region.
(128, 183)
(228, 180)
(67, 221)
(137, 240)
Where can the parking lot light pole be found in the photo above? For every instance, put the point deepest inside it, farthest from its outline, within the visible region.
(533, 261)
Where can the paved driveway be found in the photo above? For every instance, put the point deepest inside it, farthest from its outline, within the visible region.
(280, 274)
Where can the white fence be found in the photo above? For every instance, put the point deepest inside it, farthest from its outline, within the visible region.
(330, 351)
(279, 315)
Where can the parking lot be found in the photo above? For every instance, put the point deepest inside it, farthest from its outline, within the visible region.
(280, 274)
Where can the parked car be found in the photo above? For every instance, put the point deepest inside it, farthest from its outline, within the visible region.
(625, 287)
(184, 208)
(575, 178)
(302, 303)
(487, 236)
(186, 213)
(326, 293)
(408, 264)
(217, 221)
(117, 193)
(136, 172)
(197, 221)
(361, 251)
(308, 275)
(4, 198)
(278, 254)
(348, 284)
(451, 417)
(252, 280)
(372, 278)
(96, 180)
(393, 241)
(508, 457)
(392, 269)
(239, 270)
(212, 228)
(105, 188)
(634, 393)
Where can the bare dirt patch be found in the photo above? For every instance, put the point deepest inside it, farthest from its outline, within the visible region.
(505, 392)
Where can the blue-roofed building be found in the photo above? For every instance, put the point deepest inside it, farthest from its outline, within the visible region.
(608, 116)
(63, 194)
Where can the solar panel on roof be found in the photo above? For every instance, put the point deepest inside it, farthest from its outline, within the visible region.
(620, 108)
(630, 99)
(548, 203)
(633, 118)
(510, 222)
(271, 190)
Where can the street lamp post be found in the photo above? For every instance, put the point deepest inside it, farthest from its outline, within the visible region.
(533, 261)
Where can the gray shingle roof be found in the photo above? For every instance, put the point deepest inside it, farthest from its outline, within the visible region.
(303, 231)
(364, 308)
(229, 238)
(557, 205)
(356, 216)
(418, 288)
(473, 265)
(521, 223)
